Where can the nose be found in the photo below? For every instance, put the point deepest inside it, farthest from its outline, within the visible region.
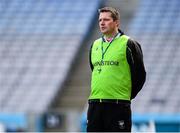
(102, 23)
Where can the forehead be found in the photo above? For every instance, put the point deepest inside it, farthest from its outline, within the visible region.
(105, 15)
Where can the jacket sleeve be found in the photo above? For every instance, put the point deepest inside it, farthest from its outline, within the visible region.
(135, 60)
(90, 62)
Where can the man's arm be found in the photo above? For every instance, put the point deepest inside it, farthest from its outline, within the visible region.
(90, 62)
(135, 60)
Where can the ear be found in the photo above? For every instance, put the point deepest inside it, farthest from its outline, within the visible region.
(117, 23)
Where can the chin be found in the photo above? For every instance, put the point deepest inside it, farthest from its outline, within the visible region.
(104, 32)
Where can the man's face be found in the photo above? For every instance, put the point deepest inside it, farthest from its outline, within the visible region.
(106, 23)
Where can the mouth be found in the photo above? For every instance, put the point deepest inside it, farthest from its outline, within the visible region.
(103, 28)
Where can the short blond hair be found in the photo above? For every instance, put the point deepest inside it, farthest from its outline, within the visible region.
(114, 13)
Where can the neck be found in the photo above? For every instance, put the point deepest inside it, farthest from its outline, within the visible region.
(111, 35)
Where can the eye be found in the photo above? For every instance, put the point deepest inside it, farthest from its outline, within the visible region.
(106, 19)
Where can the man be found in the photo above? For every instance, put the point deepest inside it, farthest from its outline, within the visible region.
(118, 74)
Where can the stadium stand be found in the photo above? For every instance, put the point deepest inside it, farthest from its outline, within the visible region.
(40, 39)
(156, 26)
(38, 42)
